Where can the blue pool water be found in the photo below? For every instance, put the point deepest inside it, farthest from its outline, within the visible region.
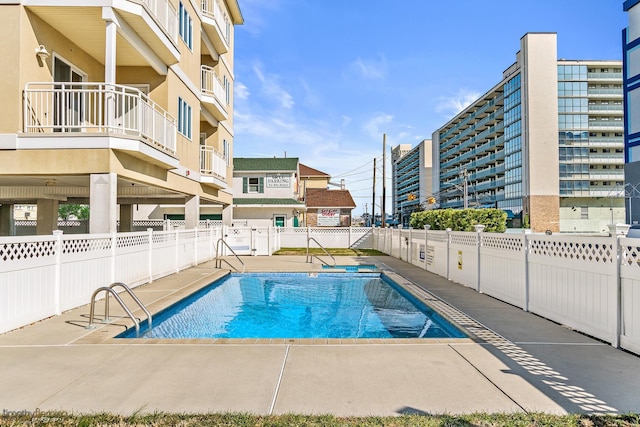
(299, 305)
(351, 268)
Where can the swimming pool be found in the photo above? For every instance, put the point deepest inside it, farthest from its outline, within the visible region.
(300, 305)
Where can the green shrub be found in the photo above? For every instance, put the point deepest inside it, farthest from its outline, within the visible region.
(494, 220)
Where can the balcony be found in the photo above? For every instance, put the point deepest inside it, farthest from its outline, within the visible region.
(127, 119)
(213, 166)
(216, 24)
(147, 34)
(214, 93)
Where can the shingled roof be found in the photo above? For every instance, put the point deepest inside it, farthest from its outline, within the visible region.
(323, 198)
(274, 164)
(308, 171)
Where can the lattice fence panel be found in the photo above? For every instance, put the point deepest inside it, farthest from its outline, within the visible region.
(27, 250)
(510, 243)
(593, 252)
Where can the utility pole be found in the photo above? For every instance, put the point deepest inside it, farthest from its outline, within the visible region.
(465, 188)
(384, 175)
(373, 205)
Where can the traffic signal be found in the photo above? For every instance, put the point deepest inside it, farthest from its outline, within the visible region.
(411, 196)
(431, 200)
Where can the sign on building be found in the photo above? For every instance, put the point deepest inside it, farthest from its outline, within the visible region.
(328, 217)
(276, 180)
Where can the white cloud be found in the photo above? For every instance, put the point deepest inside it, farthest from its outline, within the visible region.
(377, 125)
(256, 14)
(240, 91)
(272, 89)
(369, 69)
(452, 105)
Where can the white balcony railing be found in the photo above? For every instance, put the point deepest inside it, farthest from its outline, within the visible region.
(211, 85)
(212, 163)
(212, 9)
(165, 15)
(97, 108)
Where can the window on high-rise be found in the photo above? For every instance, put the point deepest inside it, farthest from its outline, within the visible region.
(186, 26)
(184, 118)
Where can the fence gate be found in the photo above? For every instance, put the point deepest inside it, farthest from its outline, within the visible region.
(239, 239)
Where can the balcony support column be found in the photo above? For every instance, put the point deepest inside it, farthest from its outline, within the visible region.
(192, 212)
(110, 52)
(7, 221)
(103, 199)
(47, 216)
(110, 70)
(227, 215)
(126, 218)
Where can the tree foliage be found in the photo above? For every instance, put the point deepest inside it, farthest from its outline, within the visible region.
(70, 211)
(494, 220)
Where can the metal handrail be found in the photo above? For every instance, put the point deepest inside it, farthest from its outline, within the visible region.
(134, 297)
(106, 315)
(310, 256)
(219, 261)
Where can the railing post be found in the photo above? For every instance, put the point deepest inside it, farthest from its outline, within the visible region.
(426, 244)
(618, 281)
(479, 229)
(526, 272)
(409, 245)
(113, 257)
(57, 234)
(195, 247)
(448, 230)
(150, 257)
(177, 232)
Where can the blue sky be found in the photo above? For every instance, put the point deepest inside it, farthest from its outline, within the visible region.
(323, 80)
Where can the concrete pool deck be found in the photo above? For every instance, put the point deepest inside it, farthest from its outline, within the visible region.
(514, 362)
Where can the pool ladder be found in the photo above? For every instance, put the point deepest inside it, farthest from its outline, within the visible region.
(219, 260)
(110, 290)
(311, 256)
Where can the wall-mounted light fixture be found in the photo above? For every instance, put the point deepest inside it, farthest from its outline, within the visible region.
(41, 52)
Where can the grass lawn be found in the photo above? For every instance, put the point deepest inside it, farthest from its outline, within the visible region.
(332, 251)
(64, 419)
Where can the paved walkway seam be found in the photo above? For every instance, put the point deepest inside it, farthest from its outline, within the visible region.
(275, 393)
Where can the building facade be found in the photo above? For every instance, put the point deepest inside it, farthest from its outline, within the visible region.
(412, 179)
(116, 105)
(328, 208)
(267, 192)
(631, 58)
(544, 144)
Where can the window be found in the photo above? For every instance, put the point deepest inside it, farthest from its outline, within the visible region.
(252, 185)
(227, 89)
(279, 220)
(584, 213)
(226, 151)
(186, 27)
(184, 118)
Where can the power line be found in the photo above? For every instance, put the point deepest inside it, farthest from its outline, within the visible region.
(353, 170)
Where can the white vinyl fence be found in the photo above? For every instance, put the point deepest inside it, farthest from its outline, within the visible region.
(589, 283)
(41, 276)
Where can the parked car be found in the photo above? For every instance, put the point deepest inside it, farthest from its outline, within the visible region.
(634, 231)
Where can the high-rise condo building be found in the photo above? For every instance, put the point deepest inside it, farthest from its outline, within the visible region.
(411, 175)
(545, 144)
(631, 58)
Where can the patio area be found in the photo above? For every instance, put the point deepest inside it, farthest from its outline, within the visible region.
(513, 362)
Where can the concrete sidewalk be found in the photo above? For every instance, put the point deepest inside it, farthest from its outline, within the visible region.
(514, 362)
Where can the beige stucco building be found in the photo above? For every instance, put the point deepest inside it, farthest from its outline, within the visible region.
(116, 104)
